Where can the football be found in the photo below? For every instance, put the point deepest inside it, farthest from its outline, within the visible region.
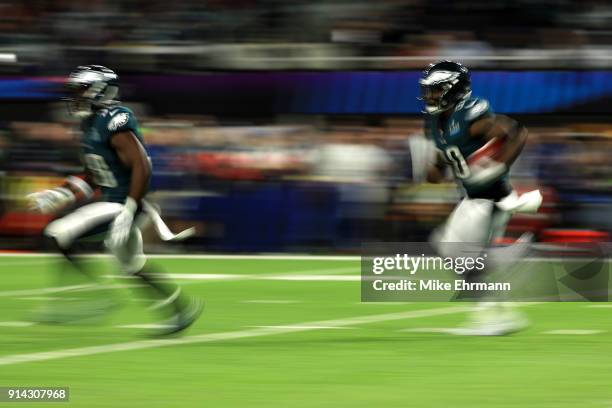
(490, 151)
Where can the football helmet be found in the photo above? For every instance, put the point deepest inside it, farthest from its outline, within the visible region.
(443, 85)
(90, 87)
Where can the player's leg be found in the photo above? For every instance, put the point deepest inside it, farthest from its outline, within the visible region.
(165, 296)
(497, 315)
(469, 230)
(61, 235)
(133, 262)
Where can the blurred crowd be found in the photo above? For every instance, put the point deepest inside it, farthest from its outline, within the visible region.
(307, 185)
(48, 36)
(254, 177)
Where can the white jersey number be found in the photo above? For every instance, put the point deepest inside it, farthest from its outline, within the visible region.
(100, 171)
(460, 166)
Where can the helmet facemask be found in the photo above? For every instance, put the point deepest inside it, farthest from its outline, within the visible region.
(435, 89)
(443, 85)
(88, 90)
(434, 97)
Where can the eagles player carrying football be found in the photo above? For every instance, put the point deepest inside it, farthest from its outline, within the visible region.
(116, 162)
(462, 126)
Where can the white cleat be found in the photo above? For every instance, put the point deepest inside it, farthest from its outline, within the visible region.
(493, 323)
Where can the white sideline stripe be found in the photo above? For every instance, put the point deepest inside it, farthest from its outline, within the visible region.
(144, 326)
(39, 291)
(302, 326)
(58, 289)
(331, 278)
(16, 324)
(271, 301)
(240, 334)
(50, 298)
(574, 332)
(446, 330)
(337, 271)
(202, 276)
(22, 293)
(602, 306)
(221, 276)
(280, 277)
(290, 257)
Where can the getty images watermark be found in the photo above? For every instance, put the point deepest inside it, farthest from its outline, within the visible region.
(428, 266)
(412, 271)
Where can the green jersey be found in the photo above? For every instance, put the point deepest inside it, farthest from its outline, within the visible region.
(452, 138)
(100, 158)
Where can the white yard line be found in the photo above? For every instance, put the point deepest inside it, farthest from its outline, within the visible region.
(24, 293)
(186, 277)
(445, 330)
(302, 326)
(289, 257)
(50, 298)
(291, 276)
(144, 326)
(42, 291)
(204, 276)
(57, 289)
(16, 324)
(333, 271)
(317, 278)
(232, 335)
(574, 332)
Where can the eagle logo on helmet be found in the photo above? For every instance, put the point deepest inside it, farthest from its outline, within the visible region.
(443, 85)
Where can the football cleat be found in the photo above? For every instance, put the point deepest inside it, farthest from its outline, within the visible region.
(183, 319)
(494, 320)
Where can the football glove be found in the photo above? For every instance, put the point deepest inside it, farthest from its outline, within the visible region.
(121, 226)
(49, 201)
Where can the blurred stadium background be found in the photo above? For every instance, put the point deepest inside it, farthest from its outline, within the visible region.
(294, 126)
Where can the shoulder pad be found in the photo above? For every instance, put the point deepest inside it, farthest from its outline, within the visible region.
(475, 108)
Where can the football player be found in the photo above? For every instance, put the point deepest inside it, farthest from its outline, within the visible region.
(461, 126)
(116, 161)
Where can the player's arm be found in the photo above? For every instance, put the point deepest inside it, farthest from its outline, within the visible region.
(436, 171)
(502, 127)
(133, 156)
(496, 127)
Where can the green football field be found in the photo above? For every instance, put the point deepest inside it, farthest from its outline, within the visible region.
(293, 333)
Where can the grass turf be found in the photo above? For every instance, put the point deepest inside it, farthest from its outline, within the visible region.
(367, 365)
